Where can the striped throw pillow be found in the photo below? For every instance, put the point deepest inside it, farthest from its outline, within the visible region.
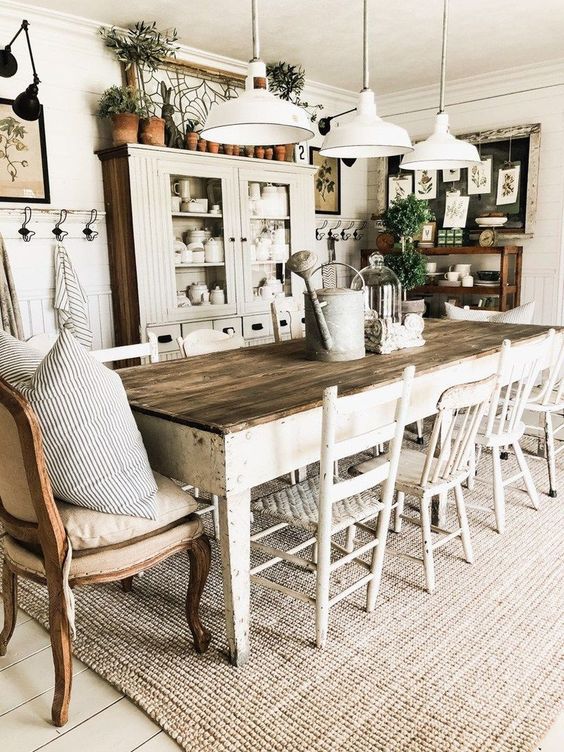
(18, 361)
(93, 449)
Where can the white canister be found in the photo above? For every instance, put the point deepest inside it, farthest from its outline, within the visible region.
(186, 256)
(468, 281)
(214, 251)
(197, 236)
(217, 296)
(195, 292)
(198, 256)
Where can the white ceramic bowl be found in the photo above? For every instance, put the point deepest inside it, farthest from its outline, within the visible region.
(490, 221)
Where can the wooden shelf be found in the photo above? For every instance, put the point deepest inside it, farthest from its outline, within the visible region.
(187, 215)
(459, 290)
(464, 250)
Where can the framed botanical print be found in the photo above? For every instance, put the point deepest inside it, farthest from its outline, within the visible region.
(327, 182)
(23, 158)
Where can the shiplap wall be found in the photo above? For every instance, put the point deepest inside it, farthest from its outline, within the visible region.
(531, 95)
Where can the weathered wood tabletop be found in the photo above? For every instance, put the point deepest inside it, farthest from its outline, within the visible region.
(233, 390)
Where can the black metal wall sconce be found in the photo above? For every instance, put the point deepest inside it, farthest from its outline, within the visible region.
(24, 230)
(26, 105)
(324, 127)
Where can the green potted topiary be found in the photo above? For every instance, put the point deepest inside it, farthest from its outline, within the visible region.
(404, 219)
(122, 105)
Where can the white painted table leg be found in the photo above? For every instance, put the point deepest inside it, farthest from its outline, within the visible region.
(234, 531)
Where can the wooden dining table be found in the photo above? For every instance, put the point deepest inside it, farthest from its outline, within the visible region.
(230, 421)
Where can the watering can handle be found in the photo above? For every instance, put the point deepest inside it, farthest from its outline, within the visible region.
(341, 263)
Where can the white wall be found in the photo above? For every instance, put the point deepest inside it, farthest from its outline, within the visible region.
(515, 97)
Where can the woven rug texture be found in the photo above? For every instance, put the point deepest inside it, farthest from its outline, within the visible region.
(475, 667)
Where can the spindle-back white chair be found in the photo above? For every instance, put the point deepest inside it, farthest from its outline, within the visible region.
(149, 349)
(547, 402)
(518, 372)
(207, 341)
(326, 505)
(438, 471)
(286, 311)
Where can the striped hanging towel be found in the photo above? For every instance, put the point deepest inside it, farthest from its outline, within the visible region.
(70, 301)
(10, 317)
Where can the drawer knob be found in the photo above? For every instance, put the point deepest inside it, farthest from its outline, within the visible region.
(257, 327)
(164, 338)
(283, 322)
(228, 330)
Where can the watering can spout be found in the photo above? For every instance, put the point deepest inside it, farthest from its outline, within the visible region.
(303, 263)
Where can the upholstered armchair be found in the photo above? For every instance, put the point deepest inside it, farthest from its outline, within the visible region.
(63, 545)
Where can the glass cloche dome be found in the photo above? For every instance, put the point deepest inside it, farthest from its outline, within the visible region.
(382, 290)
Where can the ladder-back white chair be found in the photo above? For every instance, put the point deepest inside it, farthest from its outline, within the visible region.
(547, 402)
(287, 318)
(518, 372)
(149, 349)
(326, 506)
(207, 341)
(435, 473)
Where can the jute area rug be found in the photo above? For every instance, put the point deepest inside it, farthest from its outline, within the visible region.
(475, 667)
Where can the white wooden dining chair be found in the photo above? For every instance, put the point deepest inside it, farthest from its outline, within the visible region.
(518, 372)
(287, 318)
(547, 403)
(325, 506)
(436, 472)
(207, 341)
(149, 349)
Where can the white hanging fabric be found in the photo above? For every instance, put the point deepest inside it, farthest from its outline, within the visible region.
(70, 302)
(10, 317)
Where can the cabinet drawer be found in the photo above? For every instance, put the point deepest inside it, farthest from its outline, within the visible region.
(166, 335)
(193, 326)
(258, 326)
(229, 326)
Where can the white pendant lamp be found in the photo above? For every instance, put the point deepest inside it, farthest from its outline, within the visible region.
(257, 117)
(366, 134)
(441, 151)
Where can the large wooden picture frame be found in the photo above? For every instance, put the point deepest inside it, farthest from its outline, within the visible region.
(24, 175)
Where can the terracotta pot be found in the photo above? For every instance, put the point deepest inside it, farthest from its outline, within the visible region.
(192, 140)
(236, 150)
(249, 151)
(259, 152)
(202, 144)
(228, 149)
(153, 131)
(213, 148)
(124, 128)
(268, 152)
(289, 152)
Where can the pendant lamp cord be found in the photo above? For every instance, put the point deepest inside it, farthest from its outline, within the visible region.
(444, 57)
(365, 74)
(256, 42)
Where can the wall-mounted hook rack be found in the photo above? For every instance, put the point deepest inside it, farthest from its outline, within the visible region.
(57, 232)
(319, 235)
(88, 232)
(24, 231)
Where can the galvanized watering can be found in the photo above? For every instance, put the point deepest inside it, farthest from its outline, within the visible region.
(334, 316)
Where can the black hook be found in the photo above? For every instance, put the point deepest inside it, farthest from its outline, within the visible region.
(24, 231)
(57, 232)
(88, 232)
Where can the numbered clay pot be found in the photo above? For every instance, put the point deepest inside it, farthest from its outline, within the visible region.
(249, 151)
(289, 152)
(202, 144)
(236, 150)
(280, 153)
(213, 148)
(192, 140)
(228, 149)
(259, 152)
(268, 152)
(124, 128)
(153, 131)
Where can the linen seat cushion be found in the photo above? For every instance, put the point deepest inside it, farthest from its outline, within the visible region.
(110, 560)
(88, 529)
(93, 449)
(297, 505)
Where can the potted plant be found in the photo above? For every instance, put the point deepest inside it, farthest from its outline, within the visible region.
(122, 105)
(147, 47)
(191, 135)
(403, 219)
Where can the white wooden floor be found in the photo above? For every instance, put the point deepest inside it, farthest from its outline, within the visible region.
(101, 718)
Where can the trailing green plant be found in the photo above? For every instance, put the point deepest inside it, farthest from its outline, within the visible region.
(288, 81)
(409, 266)
(406, 215)
(118, 100)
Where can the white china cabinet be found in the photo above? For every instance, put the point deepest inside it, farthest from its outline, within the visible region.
(201, 240)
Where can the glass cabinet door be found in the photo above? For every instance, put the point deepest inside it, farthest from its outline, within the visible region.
(201, 209)
(269, 227)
